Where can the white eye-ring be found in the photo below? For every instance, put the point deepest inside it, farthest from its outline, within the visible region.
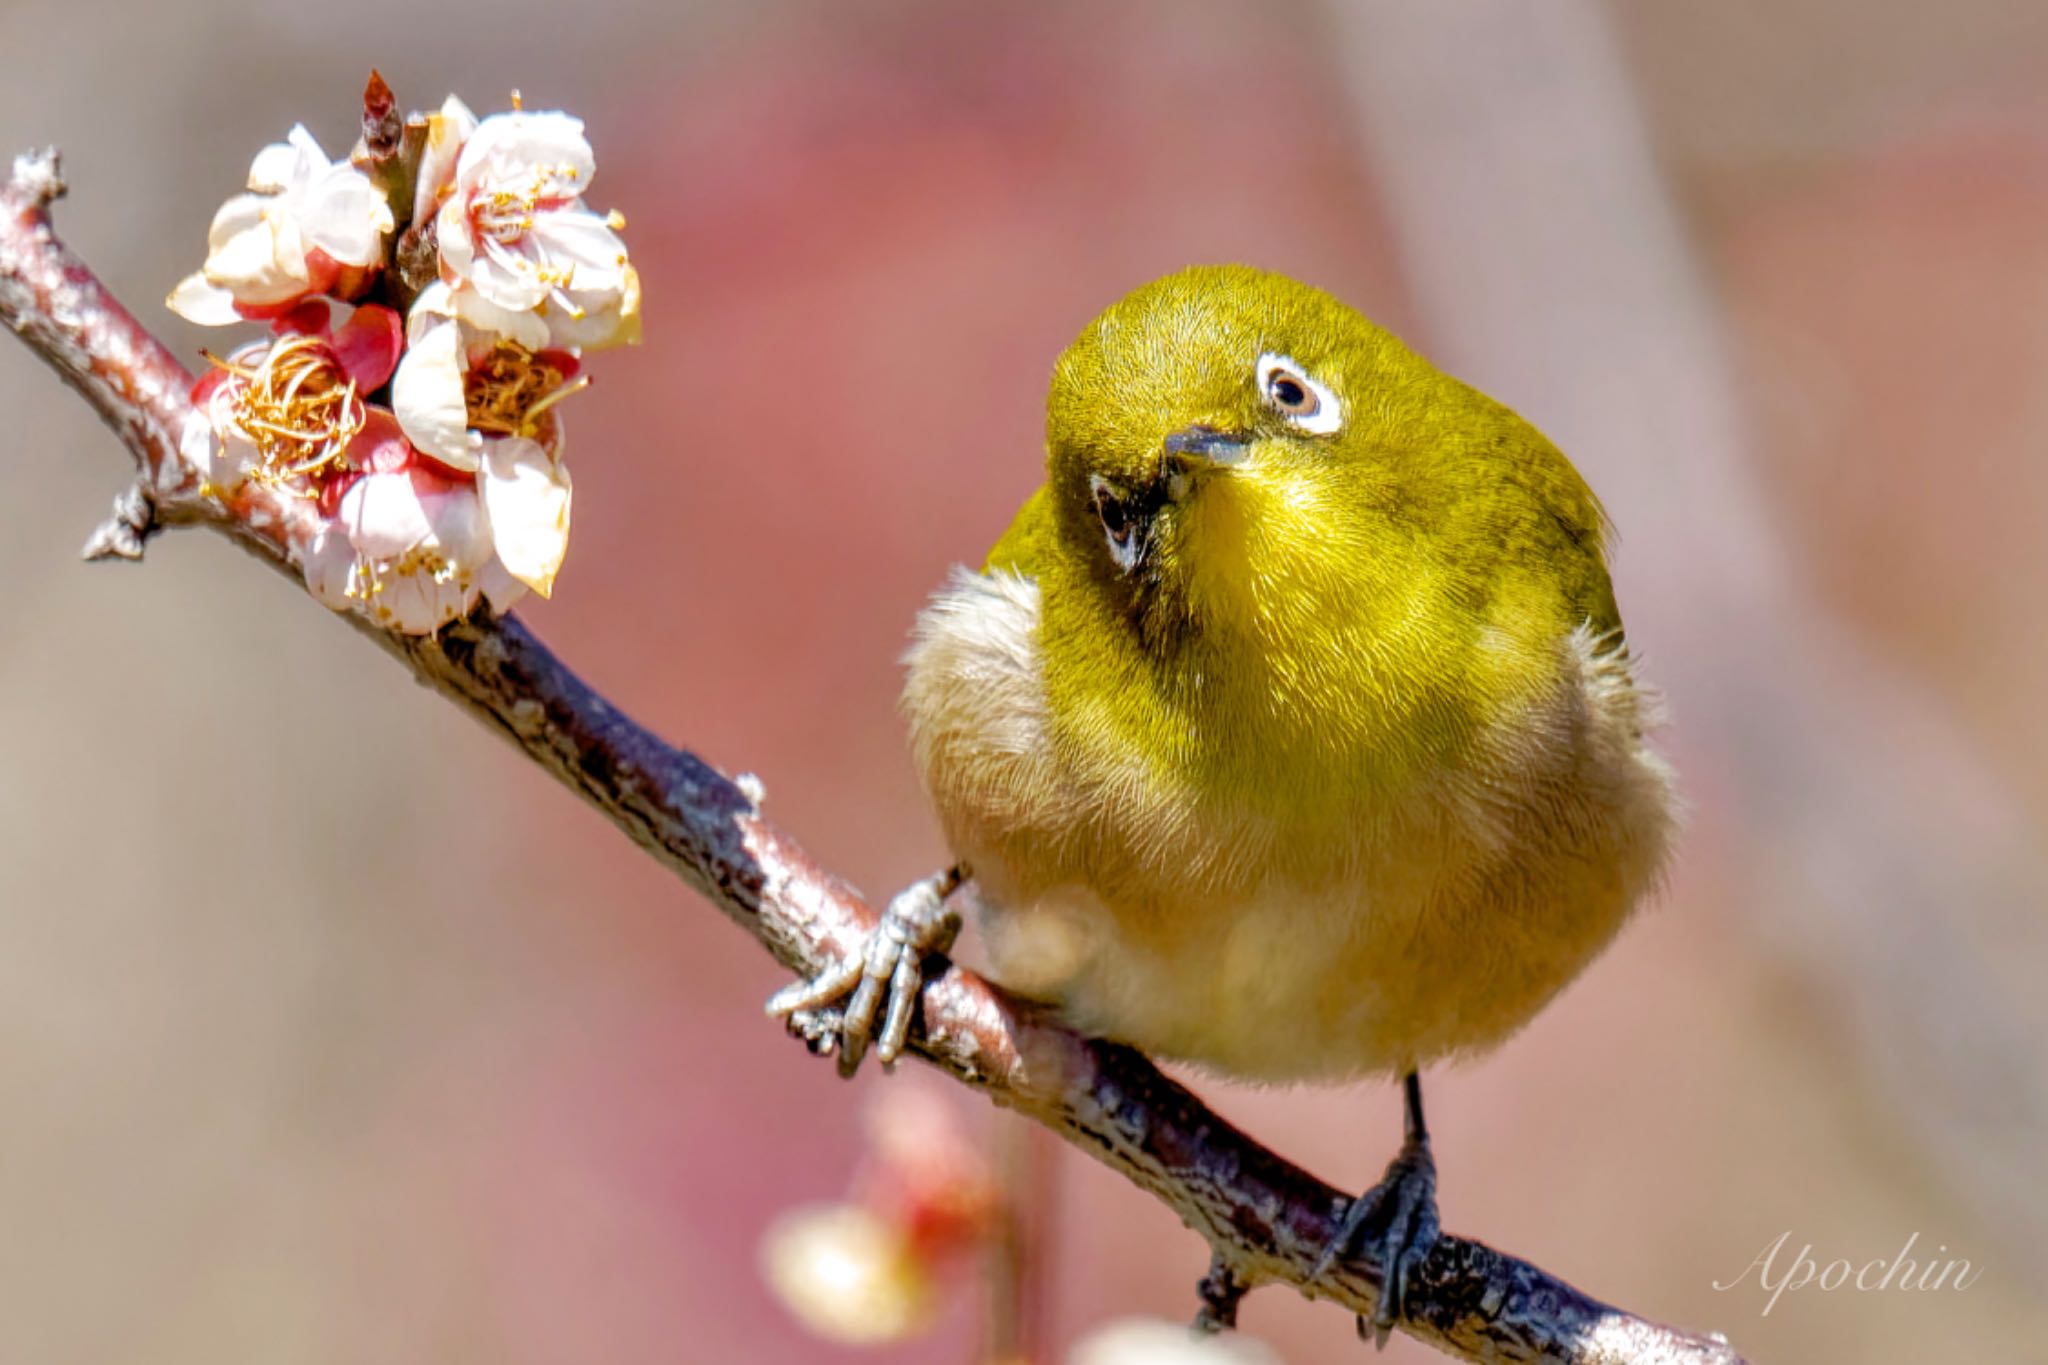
(1292, 392)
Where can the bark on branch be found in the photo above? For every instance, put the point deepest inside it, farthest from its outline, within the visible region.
(1265, 1219)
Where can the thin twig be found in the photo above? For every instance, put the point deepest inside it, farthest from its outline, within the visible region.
(1265, 1219)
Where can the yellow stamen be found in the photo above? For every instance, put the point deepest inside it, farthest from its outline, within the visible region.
(548, 400)
(298, 408)
(512, 387)
(239, 371)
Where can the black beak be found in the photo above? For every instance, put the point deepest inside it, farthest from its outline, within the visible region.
(1208, 446)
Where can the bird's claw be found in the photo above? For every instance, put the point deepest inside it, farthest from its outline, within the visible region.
(818, 1030)
(882, 979)
(1396, 1220)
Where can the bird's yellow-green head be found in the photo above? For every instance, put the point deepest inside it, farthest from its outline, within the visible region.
(1267, 519)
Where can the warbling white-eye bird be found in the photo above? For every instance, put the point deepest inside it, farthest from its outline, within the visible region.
(1289, 730)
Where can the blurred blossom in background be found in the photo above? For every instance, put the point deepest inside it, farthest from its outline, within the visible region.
(330, 1031)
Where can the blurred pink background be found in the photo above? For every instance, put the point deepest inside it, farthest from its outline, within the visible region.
(330, 1031)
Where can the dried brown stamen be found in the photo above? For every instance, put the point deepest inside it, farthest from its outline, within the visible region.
(512, 388)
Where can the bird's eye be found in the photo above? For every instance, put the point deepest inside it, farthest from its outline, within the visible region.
(1291, 391)
(1121, 526)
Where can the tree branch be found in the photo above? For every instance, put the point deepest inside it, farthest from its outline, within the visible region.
(1265, 1219)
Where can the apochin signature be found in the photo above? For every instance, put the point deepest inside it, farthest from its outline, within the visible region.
(1902, 1271)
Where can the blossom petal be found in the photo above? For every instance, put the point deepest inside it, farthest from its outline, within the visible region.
(204, 386)
(247, 258)
(582, 242)
(424, 591)
(343, 214)
(197, 299)
(329, 562)
(428, 396)
(485, 322)
(457, 528)
(1148, 1341)
(312, 157)
(447, 131)
(520, 144)
(493, 322)
(416, 603)
(435, 305)
(508, 276)
(288, 242)
(454, 241)
(238, 215)
(281, 165)
(526, 497)
(599, 320)
(380, 447)
(499, 587)
(308, 317)
(383, 517)
(367, 345)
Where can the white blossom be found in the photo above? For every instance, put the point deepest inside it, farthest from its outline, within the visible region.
(848, 1274)
(408, 546)
(514, 227)
(455, 494)
(448, 332)
(420, 544)
(305, 222)
(285, 409)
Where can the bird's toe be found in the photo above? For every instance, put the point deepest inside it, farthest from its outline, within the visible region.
(1396, 1223)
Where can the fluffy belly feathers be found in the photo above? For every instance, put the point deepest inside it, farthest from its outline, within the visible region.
(1367, 940)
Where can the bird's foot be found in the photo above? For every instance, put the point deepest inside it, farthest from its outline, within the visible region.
(818, 1029)
(1396, 1221)
(888, 972)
